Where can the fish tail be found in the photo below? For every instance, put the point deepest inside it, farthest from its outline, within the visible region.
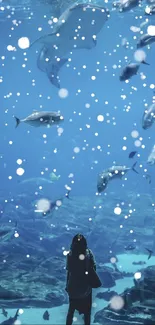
(144, 62)
(133, 168)
(17, 121)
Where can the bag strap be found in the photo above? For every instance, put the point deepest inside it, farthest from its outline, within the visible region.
(87, 260)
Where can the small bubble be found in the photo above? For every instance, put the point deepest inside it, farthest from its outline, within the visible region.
(20, 171)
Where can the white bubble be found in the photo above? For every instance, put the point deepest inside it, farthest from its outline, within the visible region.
(87, 105)
(81, 257)
(76, 150)
(10, 48)
(113, 260)
(43, 205)
(19, 161)
(100, 118)
(147, 10)
(140, 55)
(60, 131)
(137, 143)
(20, 311)
(63, 93)
(23, 43)
(137, 275)
(16, 235)
(65, 253)
(135, 29)
(117, 210)
(55, 20)
(20, 171)
(134, 134)
(117, 303)
(151, 30)
(124, 148)
(58, 203)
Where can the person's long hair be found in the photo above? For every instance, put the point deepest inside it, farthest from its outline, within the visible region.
(78, 246)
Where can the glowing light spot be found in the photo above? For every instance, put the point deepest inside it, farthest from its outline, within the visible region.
(76, 150)
(19, 161)
(20, 171)
(81, 257)
(134, 134)
(93, 78)
(23, 43)
(16, 235)
(20, 311)
(10, 48)
(117, 210)
(137, 143)
(137, 275)
(55, 20)
(43, 205)
(140, 55)
(151, 30)
(63, 93)
(124, 148)
(65, 253)
(113, 260)
(100, 118)
(58, 203)
(117, 303)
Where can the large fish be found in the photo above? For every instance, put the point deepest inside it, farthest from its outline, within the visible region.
(148, 117)
(76, 28)
(11, 320)
(41, 119)
(111, 173)
(130, 70)
(145, 40)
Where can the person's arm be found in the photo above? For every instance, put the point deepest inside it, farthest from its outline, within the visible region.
(92, 260)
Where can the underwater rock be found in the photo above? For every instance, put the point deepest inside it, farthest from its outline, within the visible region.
(106, 295)
(139, 303)
(106, 279)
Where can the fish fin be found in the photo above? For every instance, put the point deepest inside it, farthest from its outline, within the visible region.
(46, 39)
(52, 72)
(144, 62)
(78, 5)
(17, 120)
(133, 167)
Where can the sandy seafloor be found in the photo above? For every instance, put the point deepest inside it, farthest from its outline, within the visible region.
(58, 314)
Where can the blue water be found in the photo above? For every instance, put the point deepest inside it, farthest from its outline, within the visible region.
(97, 152)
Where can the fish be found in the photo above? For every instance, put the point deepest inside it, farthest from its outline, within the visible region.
(151, 157)
(54, 204)
(11, 320)
(148, 177)
(111, 173)
(150, 253)
(67, 36)
(126, 5)
(46, 315)
(129, 248)
(4, 312)
(38, 119)
(130, 70)
(132, 154)
(144, 40)
(54, 177)
(148, 117)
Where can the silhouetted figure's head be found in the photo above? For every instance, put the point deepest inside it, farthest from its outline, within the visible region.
(79, 245)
